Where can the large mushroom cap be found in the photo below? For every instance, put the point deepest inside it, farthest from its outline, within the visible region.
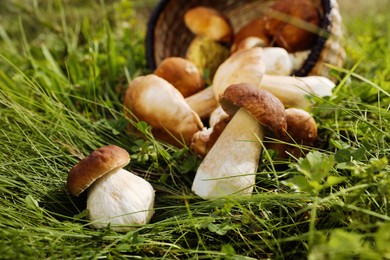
(289, 24)
(98, 163)
(243, 66)
(261, 104)
(183, 74)
(155, 101)
(210, 23)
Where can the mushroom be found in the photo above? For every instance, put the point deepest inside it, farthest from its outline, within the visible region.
(203, 102)
(116, 197)
(203, 140)
(182, 74)
(293, 24)
(210, 23)
(248, 66)
(255, 31)
(230, 166)
(213, 31)
(154, 100)
(301, 133)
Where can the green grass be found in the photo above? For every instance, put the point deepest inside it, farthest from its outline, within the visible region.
(64, 67)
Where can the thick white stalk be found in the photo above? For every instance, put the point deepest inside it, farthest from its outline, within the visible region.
(230, 166)
(203, 102)
(294, 91)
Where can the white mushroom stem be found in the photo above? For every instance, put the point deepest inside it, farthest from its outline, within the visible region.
(294, 91)
(121, 199)
(230, 166)
(203, 102)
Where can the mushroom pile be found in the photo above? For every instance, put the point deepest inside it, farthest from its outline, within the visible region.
(231, 91)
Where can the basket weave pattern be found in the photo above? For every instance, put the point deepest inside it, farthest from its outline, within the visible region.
(168, 36)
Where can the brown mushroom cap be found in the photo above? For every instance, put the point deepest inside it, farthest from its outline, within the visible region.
(254, 29)
(100, 162)
(285, 33)
(183, 74)
(301, 130)
(301, 126)
(209, 22)
(261, 104)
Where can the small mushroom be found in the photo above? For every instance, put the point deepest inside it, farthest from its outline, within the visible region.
(230, 166)
(301, 134)
(116, 197)
(182, 74)
(210, 23)
(154, 100)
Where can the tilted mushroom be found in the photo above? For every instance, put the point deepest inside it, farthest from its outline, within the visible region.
(230, 166)
(154, 100)
(182, 74)
(301, 134)
(116, 197)
(203, 102)
(292, 91)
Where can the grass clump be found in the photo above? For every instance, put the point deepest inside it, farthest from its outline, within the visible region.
(64, 67)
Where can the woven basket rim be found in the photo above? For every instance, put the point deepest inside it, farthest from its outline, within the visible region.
(305, 69)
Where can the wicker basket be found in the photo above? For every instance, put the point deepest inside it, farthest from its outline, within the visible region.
(168, 36)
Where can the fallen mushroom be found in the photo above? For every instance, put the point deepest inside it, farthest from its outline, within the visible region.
(116, 197)
(154, 100)
(248, 66)
(230, 166)
(203, 102)
(301, 134)
(182, 74)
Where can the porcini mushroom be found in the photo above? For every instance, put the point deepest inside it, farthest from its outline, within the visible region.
(203, 102)
(249, 66)
(154, 100)
(255, 30)
(182, 74)
(213, 31)
(293, 24)
(300, 135)
(116, 197)
(230, 166)
(209, 23)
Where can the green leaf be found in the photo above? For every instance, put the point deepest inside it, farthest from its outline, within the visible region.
(343, 155)
(228, 250)
(316, 166)
(299, 183)
(359, 153)
(31, 203)
(382, 239)
(333, 180)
